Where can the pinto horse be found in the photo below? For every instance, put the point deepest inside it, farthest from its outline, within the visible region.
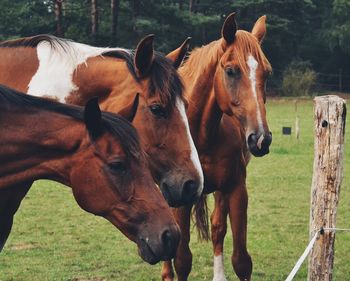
(72, 73)
(225, 84)
(97, 154)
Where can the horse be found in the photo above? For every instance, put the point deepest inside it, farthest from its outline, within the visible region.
(225, 86)
(97, 154)
(71, 72)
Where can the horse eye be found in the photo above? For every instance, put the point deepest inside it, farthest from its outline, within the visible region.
(158, 111)
(231, 72)
(118, 166)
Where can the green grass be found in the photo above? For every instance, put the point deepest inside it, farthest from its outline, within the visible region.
(52, 239)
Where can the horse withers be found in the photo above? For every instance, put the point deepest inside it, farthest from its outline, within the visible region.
(72, 73)
(225, 86)
(97, 154)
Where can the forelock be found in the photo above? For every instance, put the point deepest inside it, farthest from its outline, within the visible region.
(165, 81)
(246, 44)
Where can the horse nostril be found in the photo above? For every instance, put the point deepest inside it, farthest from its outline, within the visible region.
(268, 139)
(259, 142)
(252, 139)
(190, 190)
(168, 242)
(166, 193)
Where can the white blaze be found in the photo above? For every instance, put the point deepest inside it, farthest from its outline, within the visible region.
(54, 76)
(219, 274)
(194, 154)
(253, 66)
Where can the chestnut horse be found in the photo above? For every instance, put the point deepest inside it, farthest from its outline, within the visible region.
(72, 73)
(97, 154)
(225, 83)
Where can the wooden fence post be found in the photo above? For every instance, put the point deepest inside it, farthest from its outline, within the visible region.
(297, 127)
(330, 113)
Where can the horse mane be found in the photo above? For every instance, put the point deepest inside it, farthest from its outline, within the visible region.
(199, 59)
(244, 44)
(116, 125)
(164, 79)
(33, 42)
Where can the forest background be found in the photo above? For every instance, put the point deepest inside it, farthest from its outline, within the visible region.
(307, 42)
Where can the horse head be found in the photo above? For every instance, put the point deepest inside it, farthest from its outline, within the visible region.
(161, 120)
(240, 81)
(110, 178)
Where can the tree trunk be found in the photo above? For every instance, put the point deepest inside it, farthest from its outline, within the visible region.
(192, 5)
(58, 14)
(114, 27)
(135, 8)
(181, 4)
(135, 12)
(94, 17)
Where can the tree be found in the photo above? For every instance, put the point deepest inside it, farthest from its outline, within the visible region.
(339, 29)
(114, 24)
(58, 13)
(94, 17)
(192, 5)
(315, 31)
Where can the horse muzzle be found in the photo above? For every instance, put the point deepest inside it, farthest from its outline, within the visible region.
(161, 248)
(259, 144)
(180, 193)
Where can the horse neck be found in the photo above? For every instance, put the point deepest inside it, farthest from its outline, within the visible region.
(106, 77)
(35, 146)
(198, 74)
(96, 74)
(79, 71)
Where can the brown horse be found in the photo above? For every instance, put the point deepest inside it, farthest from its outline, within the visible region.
(97, 155)
(71, 72)
(225, 83)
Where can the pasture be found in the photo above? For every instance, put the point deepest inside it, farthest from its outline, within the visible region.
(52, 239)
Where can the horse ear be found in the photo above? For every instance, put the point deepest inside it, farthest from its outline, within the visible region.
(259, 29)
(178, 55)
(130, 110)
(229, 29)
(92, 117)
(144, 55)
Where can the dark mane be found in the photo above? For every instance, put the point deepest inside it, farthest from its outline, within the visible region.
(33, 42)
(116, 125)
(164, 79)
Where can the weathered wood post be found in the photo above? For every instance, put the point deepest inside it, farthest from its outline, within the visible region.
(297, 128)
(330, 113)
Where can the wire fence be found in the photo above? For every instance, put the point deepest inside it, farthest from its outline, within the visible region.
(309, 247)
(338, 82)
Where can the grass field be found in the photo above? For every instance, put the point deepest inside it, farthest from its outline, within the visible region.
(52, 239)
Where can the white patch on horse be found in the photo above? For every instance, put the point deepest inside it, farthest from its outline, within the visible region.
(194, 154)
(219, 274)
(57, 63)
(253, 66)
